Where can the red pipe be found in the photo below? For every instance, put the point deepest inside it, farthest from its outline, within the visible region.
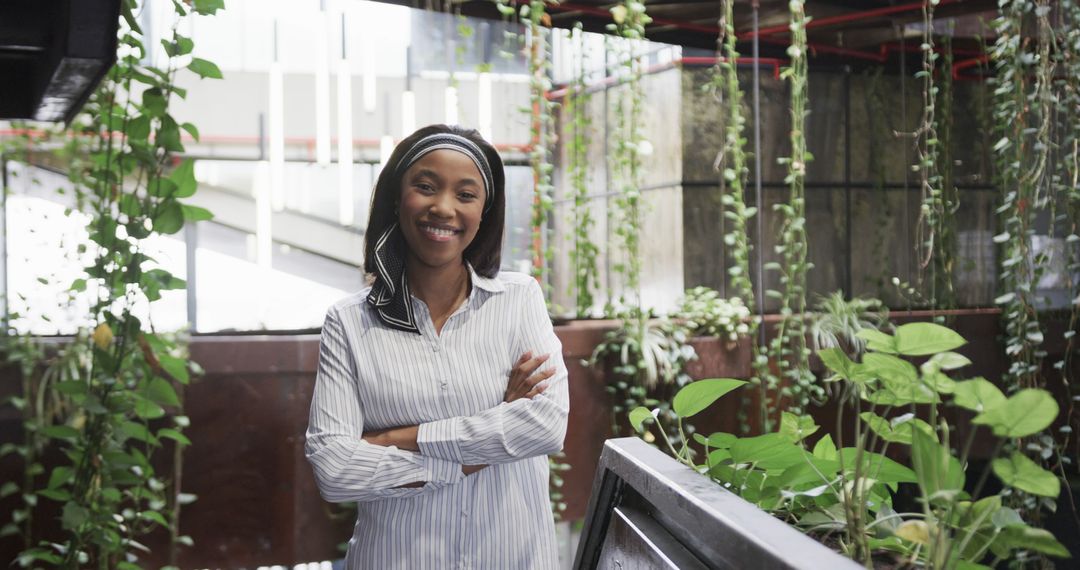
(608, 81)
(246, 139)
(916, 47)
(773, 62)
(847, 18)
(815, 48)
(962, 65)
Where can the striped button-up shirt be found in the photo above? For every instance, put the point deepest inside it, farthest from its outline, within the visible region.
(372, 377)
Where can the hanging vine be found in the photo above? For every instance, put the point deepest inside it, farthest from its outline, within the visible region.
(584, 252)
(125, 140)
(927, 150)
(945, 258)
(1023, 114)
(732, 164)
(540, 138)
(629, 24)
(1067, 187)
(788, 350)
(875, 109)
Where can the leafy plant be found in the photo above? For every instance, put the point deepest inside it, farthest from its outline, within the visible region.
(541, 128)
(827, 488)
(119, 401)
(584, 252)
(838, 321)
(705, 313)
(788, 350)
(630, 19)
(641, 357)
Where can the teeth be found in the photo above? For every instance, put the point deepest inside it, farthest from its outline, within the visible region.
(439, 231)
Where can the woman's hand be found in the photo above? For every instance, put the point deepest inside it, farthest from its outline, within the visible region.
(523, 383)
(401, 437)
(470, 469)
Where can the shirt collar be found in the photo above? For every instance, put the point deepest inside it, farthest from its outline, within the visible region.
(486, 283)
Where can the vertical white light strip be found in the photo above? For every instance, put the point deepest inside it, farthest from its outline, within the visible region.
(451, 105)
(386, 147)
(322, 94)
(484, 101)
(346, 202)
(264, 237)
(369, 73)
(408, 113)
(277, 132)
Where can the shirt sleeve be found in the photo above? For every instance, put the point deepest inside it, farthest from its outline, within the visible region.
(346, 467)
(519, 429)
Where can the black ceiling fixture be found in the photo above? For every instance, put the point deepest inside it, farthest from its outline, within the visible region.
(856, 33)
(53, 54)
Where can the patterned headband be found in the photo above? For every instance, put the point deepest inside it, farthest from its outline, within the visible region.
(459, 143)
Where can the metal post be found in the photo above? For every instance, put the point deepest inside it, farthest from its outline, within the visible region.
(3, 239)
(849, 280)
(757, 178)
(191, 244)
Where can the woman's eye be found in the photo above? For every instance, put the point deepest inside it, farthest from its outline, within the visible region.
(467, 196)
(425, 188)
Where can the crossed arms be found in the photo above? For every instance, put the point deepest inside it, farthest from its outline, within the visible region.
(351, 465)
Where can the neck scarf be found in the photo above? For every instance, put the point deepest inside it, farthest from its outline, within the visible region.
(390, 295)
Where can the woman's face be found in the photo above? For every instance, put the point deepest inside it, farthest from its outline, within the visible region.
(442, 200)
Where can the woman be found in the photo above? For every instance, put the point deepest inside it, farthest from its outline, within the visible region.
(441, 389)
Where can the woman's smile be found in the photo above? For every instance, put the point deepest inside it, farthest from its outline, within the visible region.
(438, 232)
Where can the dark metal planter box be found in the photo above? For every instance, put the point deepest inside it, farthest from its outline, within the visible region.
(649, 511)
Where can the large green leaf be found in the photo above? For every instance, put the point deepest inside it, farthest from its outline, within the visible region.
(699, 395)
(184, 178)
(795, 427)
(920, 339)
(60, 432)
(1021, 472)
(153, 102)
(769, 451)
(195, 213)
(209, 7)
(718, 440)
(1026, 412)
(897, 430)
(936, 468)
(878, 341)
(977, 394)
(949, 361)
(638, 416)
(170, 218)
(176, 367)
(74, 515)
(877, 466)
(160, 391)
(1026, 538)
(204, 68)
(889, 367)
(825, 448)
(838, 362)
(144, 408)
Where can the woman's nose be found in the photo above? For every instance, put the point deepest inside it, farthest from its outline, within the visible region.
(441, 206)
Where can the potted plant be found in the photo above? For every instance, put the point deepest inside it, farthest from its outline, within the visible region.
(844, 495)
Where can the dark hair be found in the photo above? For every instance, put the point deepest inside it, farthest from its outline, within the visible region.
(485, 251)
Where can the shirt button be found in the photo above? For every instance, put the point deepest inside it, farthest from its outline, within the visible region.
(436, 348)
(442, 384)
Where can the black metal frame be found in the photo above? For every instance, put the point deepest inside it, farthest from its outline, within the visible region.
(649, 511)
